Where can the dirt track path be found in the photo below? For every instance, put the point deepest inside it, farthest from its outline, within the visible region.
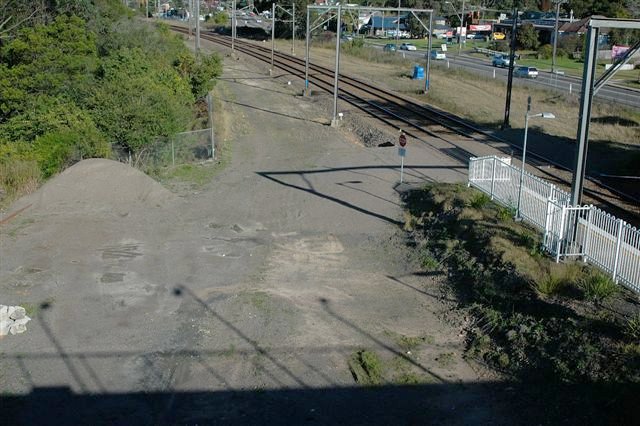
(245, 301)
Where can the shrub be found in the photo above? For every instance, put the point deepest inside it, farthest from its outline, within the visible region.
(479, 200)
(598, 287)
(632, 327)
(366, 367)
(549, 284)
(18, 177)
(499, 45)
(545, 51)
(505, 214)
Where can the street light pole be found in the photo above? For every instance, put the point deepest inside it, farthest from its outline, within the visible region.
(524, 149)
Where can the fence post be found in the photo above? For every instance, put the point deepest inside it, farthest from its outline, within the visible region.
(547, 222)
(173, 154)
(211, 134)
(619, 241)
(493, 177)
(587, 236)
(560, 234)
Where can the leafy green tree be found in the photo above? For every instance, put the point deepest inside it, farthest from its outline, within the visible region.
(200, 72)
(415, 27)
(545, 51)
(54, 132)
(527, 37)
(58, 58)
(135, 102)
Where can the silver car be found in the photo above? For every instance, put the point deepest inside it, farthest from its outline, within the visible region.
(525, 72)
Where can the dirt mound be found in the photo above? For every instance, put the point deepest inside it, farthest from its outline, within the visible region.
(97, 186)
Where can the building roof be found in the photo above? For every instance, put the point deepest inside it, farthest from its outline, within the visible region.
(577, 26)
(389, 22)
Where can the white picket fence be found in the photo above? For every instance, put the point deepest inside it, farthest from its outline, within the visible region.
(568, 231)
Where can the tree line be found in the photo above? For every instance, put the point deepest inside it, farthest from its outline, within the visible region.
(86, 78)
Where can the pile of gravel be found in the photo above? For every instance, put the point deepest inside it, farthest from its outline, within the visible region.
(96, 186)
(368, 135)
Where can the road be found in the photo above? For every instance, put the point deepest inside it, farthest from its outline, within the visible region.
(563, 83)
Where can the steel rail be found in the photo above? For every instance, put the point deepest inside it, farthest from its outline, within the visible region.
(356, 101)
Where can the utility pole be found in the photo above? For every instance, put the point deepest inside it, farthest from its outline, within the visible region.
(555, 36)
(233, 28)
(398, 26)
(512, 57)
(293, 29)
(306, 67)
(461, 24)
(334, 120)
(190, 16)
(197, 16)
(426, 79)
(273, 34)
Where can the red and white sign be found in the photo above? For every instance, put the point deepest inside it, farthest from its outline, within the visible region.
(618, 51)
(402, 140)
(483, 27)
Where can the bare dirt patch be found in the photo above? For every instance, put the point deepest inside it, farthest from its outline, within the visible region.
(246, 299)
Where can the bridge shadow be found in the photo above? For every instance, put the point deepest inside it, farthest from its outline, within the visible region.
(411, 171)
(495, 403)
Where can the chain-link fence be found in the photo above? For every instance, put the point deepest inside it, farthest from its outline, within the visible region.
(183, 148)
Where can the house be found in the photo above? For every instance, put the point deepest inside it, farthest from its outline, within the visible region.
(386, 26)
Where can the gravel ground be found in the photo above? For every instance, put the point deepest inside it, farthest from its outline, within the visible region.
(242, 302)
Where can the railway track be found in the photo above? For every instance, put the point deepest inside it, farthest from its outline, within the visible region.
(440, 130)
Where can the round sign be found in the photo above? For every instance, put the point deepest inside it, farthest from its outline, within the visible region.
(402, 140)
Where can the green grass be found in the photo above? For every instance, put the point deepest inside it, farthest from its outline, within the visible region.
(409, 343)
(445, 360)
(550, 284)
(366, 368)
(598, 287)
(260, 300)
(632, 327)
(504, 288)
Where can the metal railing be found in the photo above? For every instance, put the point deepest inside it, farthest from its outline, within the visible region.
(599, 238)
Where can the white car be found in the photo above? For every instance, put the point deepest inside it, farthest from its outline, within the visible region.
(438, 55)
(407, 46)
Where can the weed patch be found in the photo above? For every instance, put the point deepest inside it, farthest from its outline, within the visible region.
(366, 367)
(598, 287)
(532, 319)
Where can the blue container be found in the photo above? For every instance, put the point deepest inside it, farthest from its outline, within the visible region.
(418, 73)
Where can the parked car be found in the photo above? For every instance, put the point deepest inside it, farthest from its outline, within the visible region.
(471, 35)
(438, 55)
(501, 61)
(390, 47)
(407, 46)
(526, 72)
(498, 36)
